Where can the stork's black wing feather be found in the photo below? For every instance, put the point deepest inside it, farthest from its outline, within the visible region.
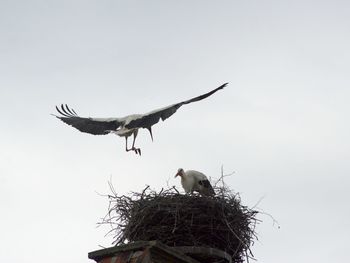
(206, 184)
(153, 117)
(94, 126)
(204, 95)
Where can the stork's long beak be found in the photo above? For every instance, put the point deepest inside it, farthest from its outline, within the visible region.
(150, 132)
(176, 175)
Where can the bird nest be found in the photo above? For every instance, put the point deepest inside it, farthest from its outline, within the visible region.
(220, 222)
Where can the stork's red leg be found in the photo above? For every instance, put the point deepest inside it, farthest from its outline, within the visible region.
(126, 144)
(137, 150)
(132, 148)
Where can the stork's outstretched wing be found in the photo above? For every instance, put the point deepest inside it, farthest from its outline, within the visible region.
(96, 126)
(153, 117)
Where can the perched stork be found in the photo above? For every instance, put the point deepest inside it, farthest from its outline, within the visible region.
(195, 181)
(125, 126)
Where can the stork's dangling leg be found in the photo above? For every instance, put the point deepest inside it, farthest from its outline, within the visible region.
(137, 150)
(126, 144)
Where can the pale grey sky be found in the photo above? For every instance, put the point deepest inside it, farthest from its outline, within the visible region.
(282, 124)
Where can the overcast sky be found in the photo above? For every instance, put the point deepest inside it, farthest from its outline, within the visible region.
(282, 124)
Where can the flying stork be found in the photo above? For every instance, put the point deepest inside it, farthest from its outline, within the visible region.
(124, 126)
(195, 181)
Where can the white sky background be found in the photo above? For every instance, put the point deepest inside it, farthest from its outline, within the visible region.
(282, 124)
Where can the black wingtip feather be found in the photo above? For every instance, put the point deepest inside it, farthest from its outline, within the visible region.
(72, 113)
(223, 85)
(60, 112)
(203, 96)
(65, 111)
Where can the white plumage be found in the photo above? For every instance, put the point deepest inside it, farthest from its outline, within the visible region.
(195, 181)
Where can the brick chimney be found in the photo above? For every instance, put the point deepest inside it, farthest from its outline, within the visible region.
(140, 252)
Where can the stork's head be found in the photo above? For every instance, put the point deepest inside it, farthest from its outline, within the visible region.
(180, 172)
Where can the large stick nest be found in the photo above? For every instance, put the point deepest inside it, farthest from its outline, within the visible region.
(184, 220)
